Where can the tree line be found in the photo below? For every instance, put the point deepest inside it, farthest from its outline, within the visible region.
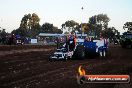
(30, 27)
(97, 25)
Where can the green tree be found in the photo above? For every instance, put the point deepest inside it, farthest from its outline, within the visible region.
(50, 28)
(128, 26)
(103, 19)
(97, 23)
(110, 32)
(29, 26)
(83, 28)
(3, 35)
(70, 26)
(20, 32)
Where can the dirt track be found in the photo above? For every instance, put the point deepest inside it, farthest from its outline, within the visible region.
(31, 69)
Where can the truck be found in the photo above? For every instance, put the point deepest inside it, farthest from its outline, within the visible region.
(79, 48)
(61, 54)
(126, 40)
(12, 39)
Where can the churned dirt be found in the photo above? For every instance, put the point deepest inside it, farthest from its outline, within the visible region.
(28, 67)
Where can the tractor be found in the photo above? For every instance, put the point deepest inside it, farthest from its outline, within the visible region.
(126, 40)
(13, 39)
(79, 48)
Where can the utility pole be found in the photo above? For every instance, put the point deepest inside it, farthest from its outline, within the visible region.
(81, 22)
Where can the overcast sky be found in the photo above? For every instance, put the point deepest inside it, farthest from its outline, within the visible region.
(59, 11)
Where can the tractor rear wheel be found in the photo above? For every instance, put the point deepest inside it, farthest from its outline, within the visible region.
(79, 53)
